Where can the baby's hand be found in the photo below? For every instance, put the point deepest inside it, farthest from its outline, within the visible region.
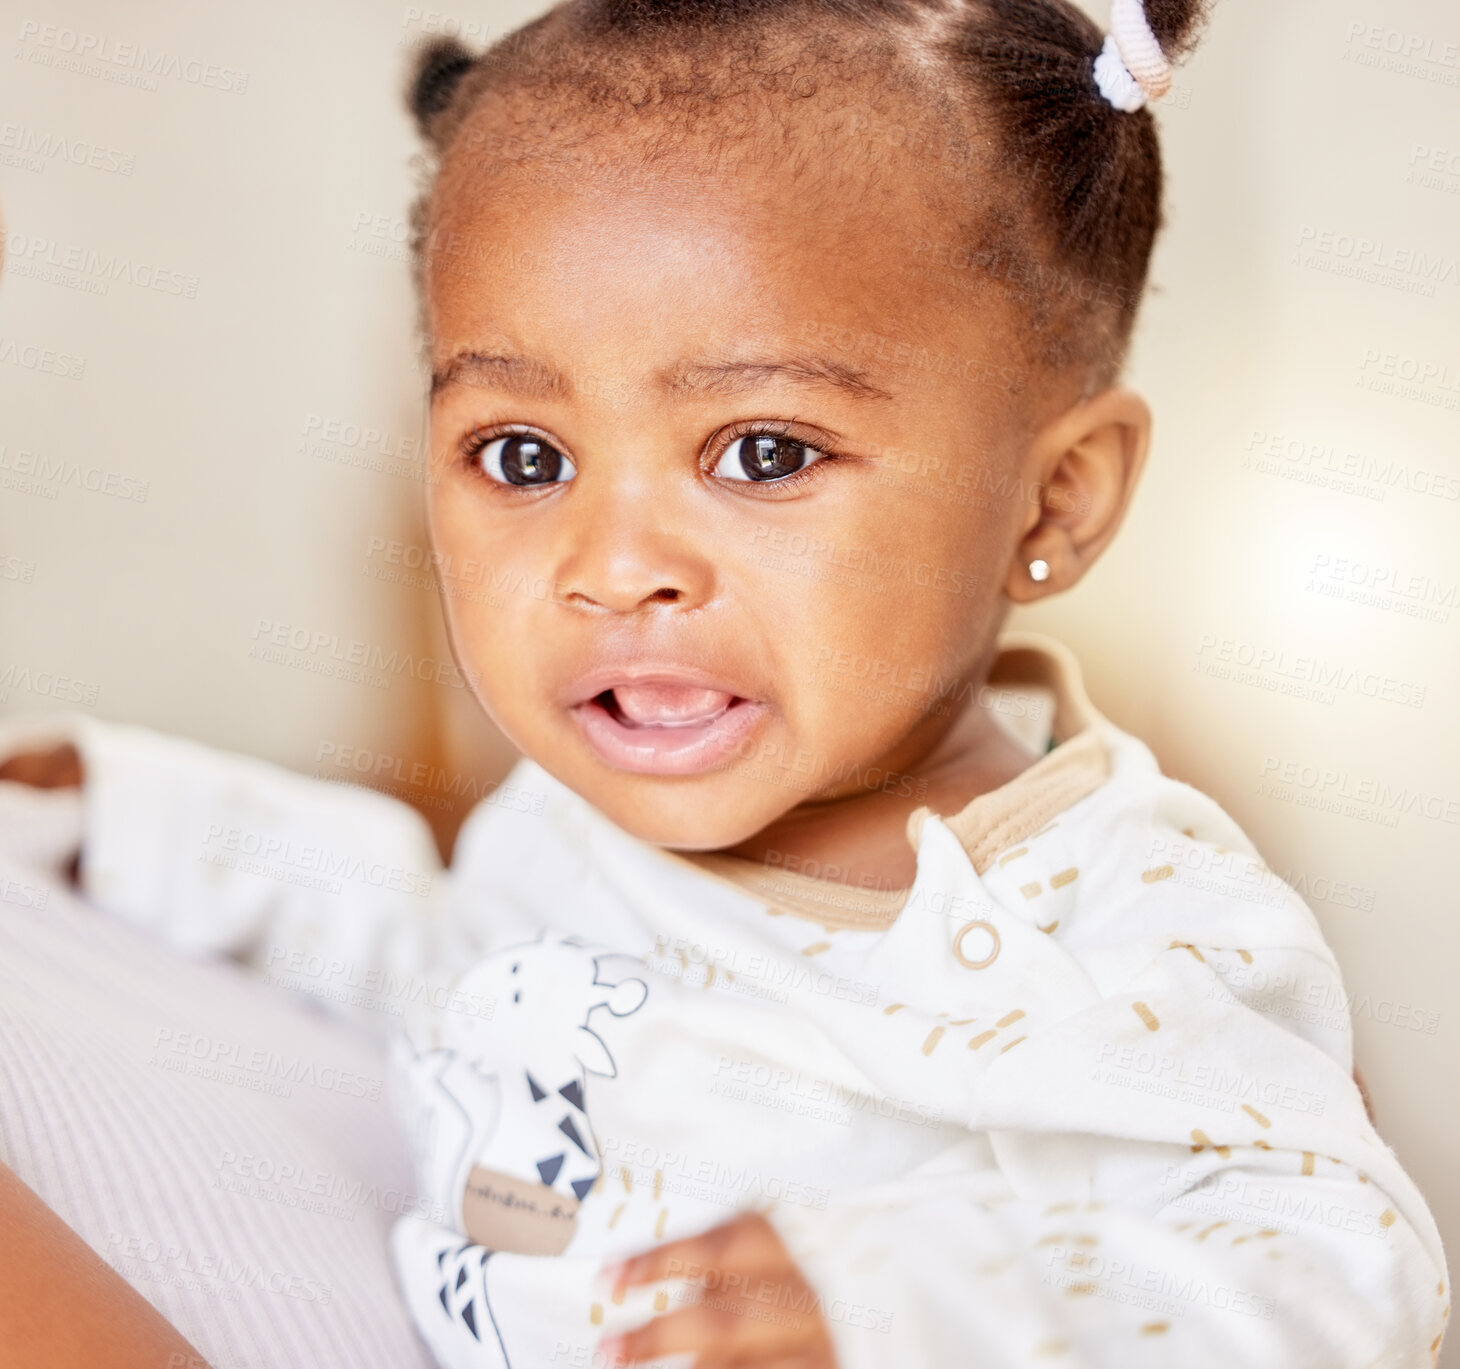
(58, 767)
(756, 1307)
(48, 838)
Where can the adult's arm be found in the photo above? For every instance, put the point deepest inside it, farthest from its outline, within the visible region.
(63, 1306)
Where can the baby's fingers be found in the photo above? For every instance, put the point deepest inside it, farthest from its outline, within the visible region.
(719, 1336)
(744, 1244)
(691, 1330)
(57, 767)
(755, 1306)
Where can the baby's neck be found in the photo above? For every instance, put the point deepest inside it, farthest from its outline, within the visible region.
(861, 838)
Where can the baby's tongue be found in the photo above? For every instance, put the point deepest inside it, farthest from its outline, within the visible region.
(669, 704)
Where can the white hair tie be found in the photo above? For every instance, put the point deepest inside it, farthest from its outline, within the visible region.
(1131, 68)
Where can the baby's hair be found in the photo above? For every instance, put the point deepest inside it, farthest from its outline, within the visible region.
(1058, 194)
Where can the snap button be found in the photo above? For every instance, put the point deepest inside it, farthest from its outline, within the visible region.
(963, 931)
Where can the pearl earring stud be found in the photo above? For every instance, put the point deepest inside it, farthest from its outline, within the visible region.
(1039, 569)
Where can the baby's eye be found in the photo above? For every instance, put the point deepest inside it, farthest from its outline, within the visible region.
(765, 456)
(521, 459)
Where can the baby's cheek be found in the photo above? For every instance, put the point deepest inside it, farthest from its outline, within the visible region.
(885, 649)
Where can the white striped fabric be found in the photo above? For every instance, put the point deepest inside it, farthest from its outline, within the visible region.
(202, 1132)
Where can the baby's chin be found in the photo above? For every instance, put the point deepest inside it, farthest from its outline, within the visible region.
(699, 815)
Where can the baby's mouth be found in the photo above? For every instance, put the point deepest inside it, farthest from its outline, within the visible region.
(665, 705)
(666, 725)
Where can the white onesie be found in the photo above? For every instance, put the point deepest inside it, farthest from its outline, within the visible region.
(1083, 1096)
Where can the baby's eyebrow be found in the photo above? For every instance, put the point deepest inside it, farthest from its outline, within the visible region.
(508, 371)
(531, 378)
(735, 377)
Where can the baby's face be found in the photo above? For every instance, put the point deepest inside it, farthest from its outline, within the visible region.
(726, 471)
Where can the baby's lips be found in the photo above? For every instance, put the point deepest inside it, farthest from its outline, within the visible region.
(655, 685)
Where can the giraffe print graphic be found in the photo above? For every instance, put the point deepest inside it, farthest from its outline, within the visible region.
(497, 1103)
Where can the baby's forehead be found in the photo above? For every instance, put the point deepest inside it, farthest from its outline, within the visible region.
(867, 123)
(824, 205)
(737, 226)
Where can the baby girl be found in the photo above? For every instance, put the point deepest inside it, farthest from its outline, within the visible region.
(853, 992)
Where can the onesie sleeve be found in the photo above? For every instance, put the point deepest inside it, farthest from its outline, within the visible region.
(323, 887)
(1170, 1165)
(1138, 1214)
(937, 1271)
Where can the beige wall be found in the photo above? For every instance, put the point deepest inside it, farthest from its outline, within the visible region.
(224, 395)
(1340, 548)
(1302, 502)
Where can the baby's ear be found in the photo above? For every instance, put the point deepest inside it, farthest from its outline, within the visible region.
(435, 76)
